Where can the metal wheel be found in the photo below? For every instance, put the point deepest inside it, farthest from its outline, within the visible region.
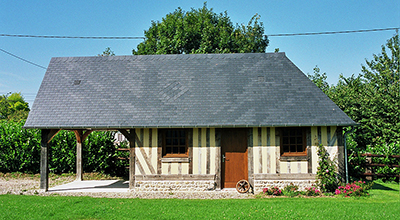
(242, 186)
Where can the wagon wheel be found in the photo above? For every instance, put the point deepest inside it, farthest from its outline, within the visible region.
(242, 186)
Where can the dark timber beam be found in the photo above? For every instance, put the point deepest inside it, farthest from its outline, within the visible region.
(47, 135)
(132, 138)
(80, 137)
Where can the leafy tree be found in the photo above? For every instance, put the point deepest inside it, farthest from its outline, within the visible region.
(202, 31)
(373, 98)
(13, 107)
(381, 95)
(320, 80)
(107, 52)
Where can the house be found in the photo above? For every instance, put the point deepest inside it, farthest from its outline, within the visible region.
(194, 121)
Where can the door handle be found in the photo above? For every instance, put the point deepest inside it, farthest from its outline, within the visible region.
(224, 158)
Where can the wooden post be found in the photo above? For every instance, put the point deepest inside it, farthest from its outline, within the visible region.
(218, 156)
(132, 158)
(44, 161)
(250, 157)
(79, 168)
(47, 135)
(368, 169)
(80, 137)
(132, 138)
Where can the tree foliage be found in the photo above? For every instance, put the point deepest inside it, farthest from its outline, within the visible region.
(372, 98)
(107, 52)
(13, 107)
(320, 80)
(20, 151)
(202, 31)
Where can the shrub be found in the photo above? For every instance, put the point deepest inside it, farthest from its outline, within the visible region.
(357, 188)
(20, 148)
(20, 151)
(291, 190)
(312, 191)
(381, 148)
(273, 191)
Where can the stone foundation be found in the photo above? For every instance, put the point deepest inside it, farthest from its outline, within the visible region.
(171, 186)
(259, 185)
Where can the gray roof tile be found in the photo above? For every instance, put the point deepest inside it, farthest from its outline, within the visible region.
(199, 90)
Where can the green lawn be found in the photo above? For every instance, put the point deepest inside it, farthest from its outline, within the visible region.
(383, 203)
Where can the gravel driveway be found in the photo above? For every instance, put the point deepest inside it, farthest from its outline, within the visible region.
(30, 186)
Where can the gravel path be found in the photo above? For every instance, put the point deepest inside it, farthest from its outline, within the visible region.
(30, 186)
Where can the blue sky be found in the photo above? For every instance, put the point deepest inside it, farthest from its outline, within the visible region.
(334, 54)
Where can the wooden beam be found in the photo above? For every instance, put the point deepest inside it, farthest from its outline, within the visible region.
(250, 156)
(175, 177)
(47, 135)
(285, 176)
(132, 138)
(218, 165)
(80, 135)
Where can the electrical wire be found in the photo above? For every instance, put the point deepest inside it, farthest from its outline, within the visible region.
(25, 60)
(70, 37)
(136, 38)
(332, 32)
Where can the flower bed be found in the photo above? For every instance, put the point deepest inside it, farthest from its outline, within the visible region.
(357, 188)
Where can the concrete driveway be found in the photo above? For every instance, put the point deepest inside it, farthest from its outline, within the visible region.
(93, 186)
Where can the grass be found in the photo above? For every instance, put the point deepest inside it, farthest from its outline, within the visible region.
(383, 203)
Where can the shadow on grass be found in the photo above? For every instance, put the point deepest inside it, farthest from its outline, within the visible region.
(382, 187)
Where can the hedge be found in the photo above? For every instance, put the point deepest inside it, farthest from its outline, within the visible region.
(20, 151)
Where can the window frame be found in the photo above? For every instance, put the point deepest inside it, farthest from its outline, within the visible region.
(303, 138)
(164, 144)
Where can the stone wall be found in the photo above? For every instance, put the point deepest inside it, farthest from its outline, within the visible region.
(259, 185)
(171, 186)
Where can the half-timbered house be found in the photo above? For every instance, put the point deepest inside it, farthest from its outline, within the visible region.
(194, 122)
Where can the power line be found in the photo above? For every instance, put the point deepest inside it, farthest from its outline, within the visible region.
(22, 59)
(332, 32)
(137, 38)
(71, 37)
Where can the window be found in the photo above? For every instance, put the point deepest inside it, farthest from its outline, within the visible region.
(293, 142)
(175, 143)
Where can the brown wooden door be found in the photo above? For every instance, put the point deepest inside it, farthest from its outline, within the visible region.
(234, 154)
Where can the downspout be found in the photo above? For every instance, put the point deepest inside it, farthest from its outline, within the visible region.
(345, 152)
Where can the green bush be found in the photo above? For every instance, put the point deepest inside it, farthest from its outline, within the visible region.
(312, 191)
(355, 189)
(20, 148)
(291, 190)
(382, 148)
(20, 151)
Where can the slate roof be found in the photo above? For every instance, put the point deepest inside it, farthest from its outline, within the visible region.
(196, 90)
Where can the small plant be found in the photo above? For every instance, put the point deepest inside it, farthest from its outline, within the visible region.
(291, 190)
(273, 191)
(355, 189)
(313, 191)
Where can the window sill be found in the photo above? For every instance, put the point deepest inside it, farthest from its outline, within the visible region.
(175, 160)
(294, 158)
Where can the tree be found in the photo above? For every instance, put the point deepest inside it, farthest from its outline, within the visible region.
(320, 80)
(202, 31)
(107, 52)
(373, 98)
(13, 107)
(381, 95)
